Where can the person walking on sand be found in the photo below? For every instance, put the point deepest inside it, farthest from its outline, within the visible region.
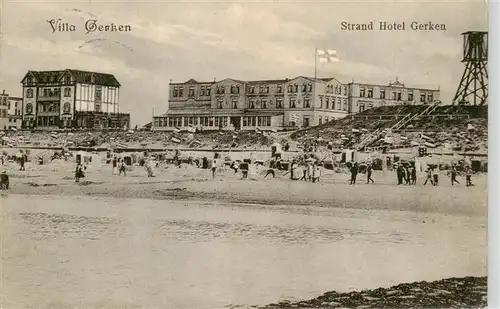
(79, 172)
(453, 174)
(369, 169)
(354, 173)
(122, 168)
(407, 175)
(429, 176)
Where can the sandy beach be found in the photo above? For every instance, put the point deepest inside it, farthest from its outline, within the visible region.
(191, 183)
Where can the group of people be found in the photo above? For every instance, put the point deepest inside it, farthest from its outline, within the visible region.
(311, 171)
(355, 168)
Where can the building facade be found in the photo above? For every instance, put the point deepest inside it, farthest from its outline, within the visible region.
(232, 104)
(365, 96)
(71, 99)
(10, 111)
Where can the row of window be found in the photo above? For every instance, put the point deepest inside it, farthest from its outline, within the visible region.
(3, 101)
(325, 101)
(50, 93)
(337, 90)
(178, 91)
(397, 96)
(326, 119)
(257, 121)
(52, 107)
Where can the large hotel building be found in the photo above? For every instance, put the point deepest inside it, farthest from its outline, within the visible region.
(232, 104)
(71, 99)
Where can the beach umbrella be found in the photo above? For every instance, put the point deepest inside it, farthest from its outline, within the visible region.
(355, 130)
(403, 138)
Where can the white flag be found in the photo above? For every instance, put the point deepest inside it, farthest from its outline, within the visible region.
(329, 55)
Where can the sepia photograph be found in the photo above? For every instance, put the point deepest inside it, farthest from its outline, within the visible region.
(243, 154)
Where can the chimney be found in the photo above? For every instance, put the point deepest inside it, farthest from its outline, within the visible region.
(3, 91)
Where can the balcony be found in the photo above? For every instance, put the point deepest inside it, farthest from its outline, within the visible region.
(53, 97)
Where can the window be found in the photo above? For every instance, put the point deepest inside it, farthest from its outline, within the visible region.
(267, 89)
(251, 89)
(362, 92)
(422, 97)
(219, 103)
(304, 88)
(245, 121)
(320, 102)
(171, 122)
(310, 87)
(327, 101)
(191, 92)
(410, 96)
(235, 89)
(382, 93)
(279, 103)
(345, 104)
(362, 107)
(97, 106)
(202, 90)
(176, 92)
(181, 91)
(66, 108)
(45, 92)
(29, 93)
(261, 89)
(264, 103)
(339, 103)
(296, 88)
(320, 121)
(208, 91)
(290, 88)
(292, 103)
(370, 93)
(252, 103)
(98, 93)
(67, 79)
(429, 97)
(67, 92)
(29, 108)
(394, 95)
(399, 95)
(307, 102)
(306, 122)
(235, 103)
(29, 81)
(280, 88)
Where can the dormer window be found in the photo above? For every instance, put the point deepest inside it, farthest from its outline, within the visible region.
(67, 79)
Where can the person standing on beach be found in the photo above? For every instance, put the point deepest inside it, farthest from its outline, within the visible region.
(429, 176)
(215, 164)
(354, 173)
(369, 169)
(435, 176)
(400, 171)
(115, 164)
(305, 169)
(4, 180)
(316, 173)
(468, 176)
(453, 174)
(21, 162)
(413, 172)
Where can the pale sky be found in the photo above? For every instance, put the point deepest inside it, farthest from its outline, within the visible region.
(237, 39)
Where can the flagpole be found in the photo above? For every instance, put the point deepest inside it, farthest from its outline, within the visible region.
(315, 61)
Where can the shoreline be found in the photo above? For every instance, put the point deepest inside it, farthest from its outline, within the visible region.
(466, 292)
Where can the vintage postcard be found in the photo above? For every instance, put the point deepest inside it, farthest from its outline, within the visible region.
(243, 154)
